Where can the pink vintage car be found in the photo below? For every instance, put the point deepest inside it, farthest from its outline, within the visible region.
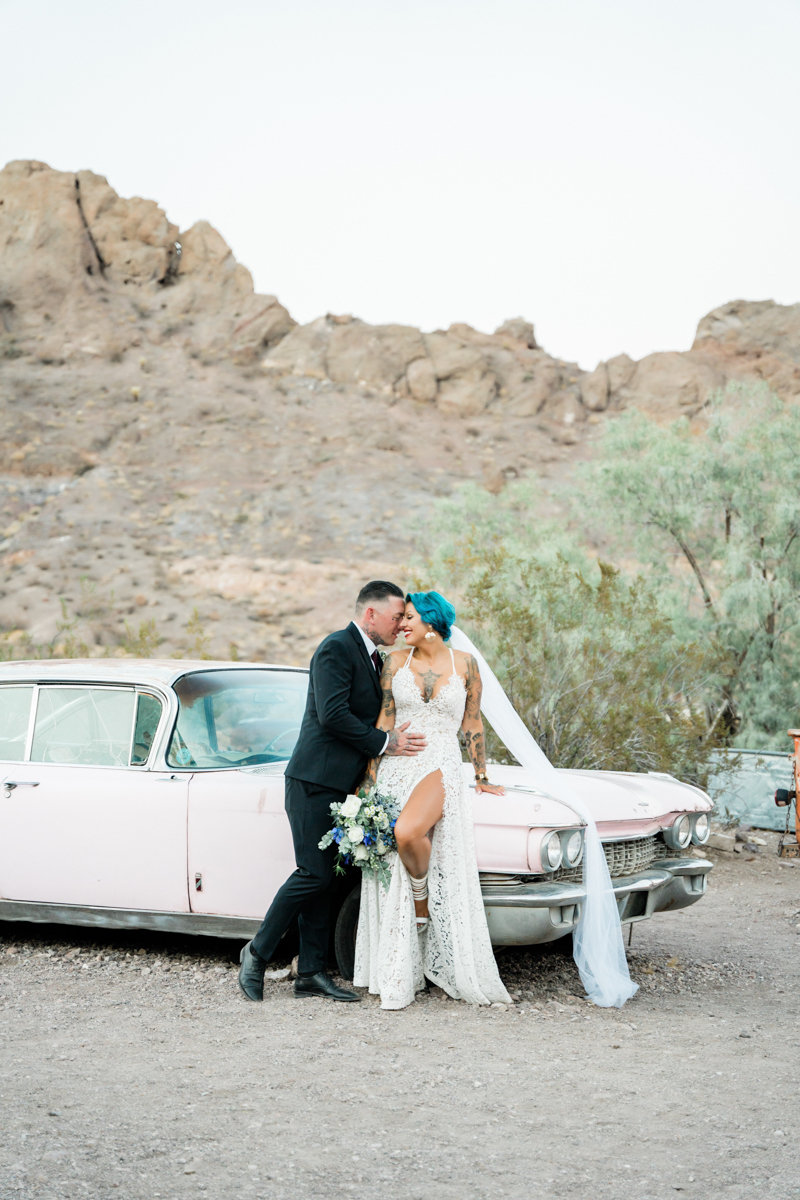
(147, 794)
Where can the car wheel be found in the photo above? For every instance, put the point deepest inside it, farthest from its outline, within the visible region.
(345, 934)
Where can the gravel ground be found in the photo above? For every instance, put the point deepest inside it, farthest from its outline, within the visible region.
(131, 1067)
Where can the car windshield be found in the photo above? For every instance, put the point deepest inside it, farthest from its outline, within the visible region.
(237, 718)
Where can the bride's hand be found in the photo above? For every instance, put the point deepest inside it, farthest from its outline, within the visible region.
(492, 788)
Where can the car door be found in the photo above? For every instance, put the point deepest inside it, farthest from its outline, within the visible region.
(82, 819)
(240, 843)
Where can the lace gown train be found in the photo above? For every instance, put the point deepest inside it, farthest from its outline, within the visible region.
(455, 952)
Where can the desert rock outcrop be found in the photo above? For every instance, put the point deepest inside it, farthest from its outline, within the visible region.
(462, 371)
(171, 441)
(84, 271)
(754, 338)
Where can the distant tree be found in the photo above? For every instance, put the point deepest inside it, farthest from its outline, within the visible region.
(521, 519)
(716, 515)
(595, 668)
(590, 662)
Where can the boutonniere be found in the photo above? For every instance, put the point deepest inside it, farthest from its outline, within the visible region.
(382, 654)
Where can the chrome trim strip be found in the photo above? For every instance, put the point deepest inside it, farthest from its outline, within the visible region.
(133, 728)
(208, 925)
(686, 866)
(632, 837)
(535, 895)
(646, 881)
(546, 895)
(274, 768)
(31, 723)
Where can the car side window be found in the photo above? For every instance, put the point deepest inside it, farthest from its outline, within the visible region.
(148, 714)
(15, 715)
(91, 726)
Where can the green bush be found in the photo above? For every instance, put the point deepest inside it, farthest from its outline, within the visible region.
(592, 665)
(715, 515)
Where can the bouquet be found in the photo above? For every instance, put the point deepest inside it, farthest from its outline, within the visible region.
(363, 829)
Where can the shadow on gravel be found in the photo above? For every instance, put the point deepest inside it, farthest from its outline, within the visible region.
(61, 939)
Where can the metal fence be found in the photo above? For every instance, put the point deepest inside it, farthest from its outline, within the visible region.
(747, 793)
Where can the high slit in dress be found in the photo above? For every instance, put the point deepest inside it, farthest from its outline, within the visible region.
(455, 951)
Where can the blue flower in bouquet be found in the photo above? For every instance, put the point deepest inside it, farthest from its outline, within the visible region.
(363, 830)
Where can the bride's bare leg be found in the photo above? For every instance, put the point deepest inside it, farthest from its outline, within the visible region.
(422, 810)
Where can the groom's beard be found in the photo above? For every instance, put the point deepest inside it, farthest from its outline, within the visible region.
(378, 640)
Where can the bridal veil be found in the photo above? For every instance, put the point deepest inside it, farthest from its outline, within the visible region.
(598, 949)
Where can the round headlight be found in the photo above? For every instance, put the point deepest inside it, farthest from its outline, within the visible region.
(551, 852)
(701, 830)
(678, 835)
(574, 847)
(682, 830)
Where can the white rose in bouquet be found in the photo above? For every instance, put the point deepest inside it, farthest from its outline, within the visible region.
(351, 806)
(356, 834)
(361, 852)
(380, 846)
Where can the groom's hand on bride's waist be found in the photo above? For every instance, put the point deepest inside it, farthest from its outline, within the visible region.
(401, 742)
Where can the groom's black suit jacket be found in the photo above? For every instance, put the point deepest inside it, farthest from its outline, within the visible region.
(338, 734)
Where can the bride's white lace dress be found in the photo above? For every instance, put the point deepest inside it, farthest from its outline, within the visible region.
(455, 952)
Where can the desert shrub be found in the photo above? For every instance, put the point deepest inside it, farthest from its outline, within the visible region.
(69, 641)
(715, 516)
(592, 664)
(141, 643)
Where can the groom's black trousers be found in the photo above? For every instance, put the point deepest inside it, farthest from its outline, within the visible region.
(307, 892)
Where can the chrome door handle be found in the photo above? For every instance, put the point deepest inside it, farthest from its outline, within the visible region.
(10, 784)
(171, 779)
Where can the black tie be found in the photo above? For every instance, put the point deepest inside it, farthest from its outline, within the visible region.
(376, 661)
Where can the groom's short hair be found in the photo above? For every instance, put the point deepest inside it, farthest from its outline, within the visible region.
(376, 592)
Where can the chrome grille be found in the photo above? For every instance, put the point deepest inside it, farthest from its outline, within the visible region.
(626, 858)
(623, 858)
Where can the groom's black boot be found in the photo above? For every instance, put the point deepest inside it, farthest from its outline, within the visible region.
(321, 984)
(251, 973)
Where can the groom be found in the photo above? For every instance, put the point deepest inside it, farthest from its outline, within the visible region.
(337, 739)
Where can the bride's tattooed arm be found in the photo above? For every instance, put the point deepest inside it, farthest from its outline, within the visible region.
(472, 725)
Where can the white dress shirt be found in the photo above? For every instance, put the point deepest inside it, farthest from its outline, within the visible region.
(371, 648)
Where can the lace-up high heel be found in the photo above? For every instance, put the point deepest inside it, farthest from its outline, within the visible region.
(419, 890)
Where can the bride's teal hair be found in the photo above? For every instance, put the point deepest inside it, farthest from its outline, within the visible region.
(434, 609)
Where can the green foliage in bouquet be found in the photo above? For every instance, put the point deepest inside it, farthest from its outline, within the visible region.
(363, 830)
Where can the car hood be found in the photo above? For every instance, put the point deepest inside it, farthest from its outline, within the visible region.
(611, 796)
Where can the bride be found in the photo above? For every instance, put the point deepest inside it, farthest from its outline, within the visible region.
(431, 921)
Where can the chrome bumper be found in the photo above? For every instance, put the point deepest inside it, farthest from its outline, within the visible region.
(529, 913)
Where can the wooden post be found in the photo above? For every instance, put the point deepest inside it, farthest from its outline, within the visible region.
(794, 734)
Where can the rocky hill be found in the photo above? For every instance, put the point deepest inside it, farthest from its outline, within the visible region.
(170, 440)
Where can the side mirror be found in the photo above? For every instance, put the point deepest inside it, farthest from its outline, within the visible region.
(783, 798)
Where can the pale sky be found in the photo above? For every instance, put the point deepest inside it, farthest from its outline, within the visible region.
(609, 169)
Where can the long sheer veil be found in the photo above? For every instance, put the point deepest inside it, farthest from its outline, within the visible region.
(598, 949)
